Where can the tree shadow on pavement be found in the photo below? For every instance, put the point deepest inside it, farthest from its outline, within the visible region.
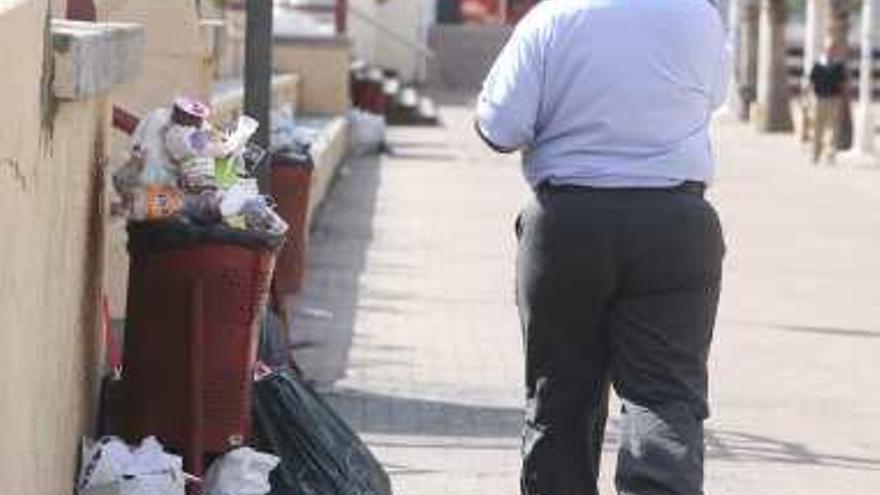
(391, 417)
(745, 447)
(831, 331)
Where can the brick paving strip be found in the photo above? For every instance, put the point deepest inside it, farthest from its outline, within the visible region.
(409, 310)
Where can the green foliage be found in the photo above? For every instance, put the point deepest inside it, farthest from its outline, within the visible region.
(800, 6)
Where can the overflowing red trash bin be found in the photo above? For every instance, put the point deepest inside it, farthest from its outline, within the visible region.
(196, 298)
(203, 242)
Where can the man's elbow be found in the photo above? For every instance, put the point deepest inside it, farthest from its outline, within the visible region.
(494, 145)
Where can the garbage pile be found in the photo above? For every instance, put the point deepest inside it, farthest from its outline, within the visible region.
(181, 167)
(112, 467)
(287, 135)
(242, 471)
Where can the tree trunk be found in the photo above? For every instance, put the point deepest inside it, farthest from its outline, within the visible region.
(814, 45)
(773, 112)
(814, 37)
(747, 61)
(839, 20)
(865, 118)
(840, 12)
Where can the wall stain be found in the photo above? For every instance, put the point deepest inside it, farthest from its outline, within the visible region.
(13, 166)
(48, 102)
(93, 273)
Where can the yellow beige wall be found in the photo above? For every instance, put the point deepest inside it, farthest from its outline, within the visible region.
(323, 66)
(49, 344)
(176, 58)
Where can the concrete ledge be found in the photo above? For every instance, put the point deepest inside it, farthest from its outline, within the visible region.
(228, 98)
(328, 151)
(212, 30)
(92, 58)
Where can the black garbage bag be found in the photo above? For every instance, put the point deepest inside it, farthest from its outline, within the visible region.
(273, 349)
(175, 233)
(320, 454)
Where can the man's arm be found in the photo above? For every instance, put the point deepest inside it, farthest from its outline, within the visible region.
(495, 147)
(507, 109)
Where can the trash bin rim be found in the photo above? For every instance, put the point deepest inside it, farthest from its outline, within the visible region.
(287, 158)
(184, 235)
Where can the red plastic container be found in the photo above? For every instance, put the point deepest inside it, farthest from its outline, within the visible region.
(291, 188)
(358, 86)
(192, 332)
(374, 92)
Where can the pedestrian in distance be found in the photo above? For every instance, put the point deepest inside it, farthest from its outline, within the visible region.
(829, 82)
(620, 256)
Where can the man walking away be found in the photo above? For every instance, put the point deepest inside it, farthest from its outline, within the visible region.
(619, 261)
(830, 83)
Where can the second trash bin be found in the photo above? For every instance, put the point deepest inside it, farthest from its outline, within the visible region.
(196, 296)
(291, 185)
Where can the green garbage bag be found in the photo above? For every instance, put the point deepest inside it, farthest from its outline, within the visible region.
(320, 454)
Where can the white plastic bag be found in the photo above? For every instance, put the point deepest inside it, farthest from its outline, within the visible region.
(243, 471)
(237, 196)
(112, 467)
(236, 140)
(367, 132)
(149, 147)
(284, 128)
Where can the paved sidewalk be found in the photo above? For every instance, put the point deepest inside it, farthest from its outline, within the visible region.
(410, 306)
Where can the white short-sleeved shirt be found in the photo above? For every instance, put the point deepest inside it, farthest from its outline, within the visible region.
(609, 93)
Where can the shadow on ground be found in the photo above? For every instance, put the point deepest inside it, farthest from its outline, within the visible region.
(405, 416)
(460, 423)
(831, 331)
(322, 328)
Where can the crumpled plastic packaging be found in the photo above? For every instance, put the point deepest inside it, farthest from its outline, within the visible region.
(147, 183)
(110, 466)
(237, 196)
(259, 214)
(242, 471)
(185, 143)
(149, 148)
(155, 202)
(181, 166)
(236, 138)
(198, 174)
(244, 207)
(204, 208)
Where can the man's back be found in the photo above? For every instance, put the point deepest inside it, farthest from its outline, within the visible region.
(619, 255)
(620, 94)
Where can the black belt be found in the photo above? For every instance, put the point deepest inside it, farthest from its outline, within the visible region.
(692, 187)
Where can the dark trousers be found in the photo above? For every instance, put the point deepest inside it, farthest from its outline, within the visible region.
(616, 287)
